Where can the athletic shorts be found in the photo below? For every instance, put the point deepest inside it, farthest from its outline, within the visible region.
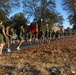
(20, 37)
(1, 39)
(6, 39)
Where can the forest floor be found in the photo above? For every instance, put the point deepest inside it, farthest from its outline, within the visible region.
(53, 58)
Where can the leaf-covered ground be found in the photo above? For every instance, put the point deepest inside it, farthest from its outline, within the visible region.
(45, 59)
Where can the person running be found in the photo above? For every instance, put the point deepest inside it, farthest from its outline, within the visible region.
(8, 38)
(41, 36)
(57, 35)
(49, 34)
(46, 35)
(30, 37)
(20, 36)
(2, 33)
(12, 35)
(53, 34)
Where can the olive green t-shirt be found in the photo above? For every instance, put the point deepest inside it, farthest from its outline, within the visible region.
(1, 34)
(1, 27)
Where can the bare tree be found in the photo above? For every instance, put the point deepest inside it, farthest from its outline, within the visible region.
(8, 5)
(37, 8)
(68, 5)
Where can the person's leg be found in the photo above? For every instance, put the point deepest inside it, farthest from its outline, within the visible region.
(1, 47)
(1, 43)
(8, 44)
(8, 47)
(20, 42)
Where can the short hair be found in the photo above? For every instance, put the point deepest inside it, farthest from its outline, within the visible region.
(21, 25)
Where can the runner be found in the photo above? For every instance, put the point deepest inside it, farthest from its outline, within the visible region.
(20, 34)
(53, 34)
(46, 35)
(12, 35)
(41, 36)
(2, 33)
(49, 34)
(30, 37)
(8, 39)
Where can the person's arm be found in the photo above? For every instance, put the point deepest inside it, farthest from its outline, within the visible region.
(7, 33)
(23, 30)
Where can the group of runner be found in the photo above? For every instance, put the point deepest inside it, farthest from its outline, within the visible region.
(6, 35)
(43, 35)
